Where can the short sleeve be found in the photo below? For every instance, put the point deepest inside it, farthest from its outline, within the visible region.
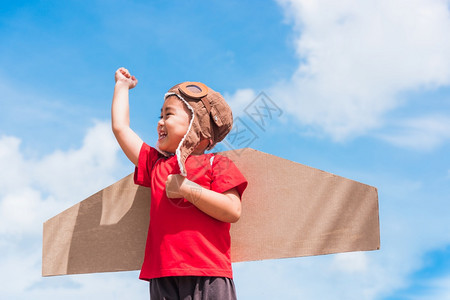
(225, 176)
(147, 158)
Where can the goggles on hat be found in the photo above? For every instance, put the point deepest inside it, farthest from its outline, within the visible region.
(196, 91)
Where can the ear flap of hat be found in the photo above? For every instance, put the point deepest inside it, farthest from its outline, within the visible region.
(190, 140)
(187, 146)
(221, 116)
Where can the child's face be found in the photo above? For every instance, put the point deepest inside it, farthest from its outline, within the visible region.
(173, 125)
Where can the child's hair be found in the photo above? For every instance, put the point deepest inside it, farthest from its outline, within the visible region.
(211, 119)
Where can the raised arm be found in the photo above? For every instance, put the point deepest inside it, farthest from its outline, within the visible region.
(128, 140)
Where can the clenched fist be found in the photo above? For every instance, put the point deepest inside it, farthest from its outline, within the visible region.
(123, 76)
(173, 186)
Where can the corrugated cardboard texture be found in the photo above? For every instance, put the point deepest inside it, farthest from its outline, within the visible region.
(289, 210)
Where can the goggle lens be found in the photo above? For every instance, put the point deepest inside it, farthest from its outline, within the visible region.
(194, 90)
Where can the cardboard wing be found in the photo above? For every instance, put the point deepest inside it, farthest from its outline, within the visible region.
(288, 210)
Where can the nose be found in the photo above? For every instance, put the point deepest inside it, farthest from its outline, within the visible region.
(160, 125)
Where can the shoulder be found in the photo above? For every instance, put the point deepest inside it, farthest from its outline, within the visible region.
(218, 159)
(153, 151)
(226, 175)
(223, 164)
(148, 156)
(222, 159)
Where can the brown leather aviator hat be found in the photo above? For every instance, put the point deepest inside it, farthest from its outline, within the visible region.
(212, 118)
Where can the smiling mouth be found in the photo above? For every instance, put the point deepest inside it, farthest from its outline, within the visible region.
(162, 135)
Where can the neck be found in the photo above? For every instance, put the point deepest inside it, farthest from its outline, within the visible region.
(201, 147)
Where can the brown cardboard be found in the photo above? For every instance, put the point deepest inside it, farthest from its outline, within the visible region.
(288, 210)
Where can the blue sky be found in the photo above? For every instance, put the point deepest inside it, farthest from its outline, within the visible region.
(364, 89)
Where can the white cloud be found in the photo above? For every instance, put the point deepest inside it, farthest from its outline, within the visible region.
(356, 56)
(121, 285)
(31, 189)
(354, 262)
(77, 173)
(440, 289)
(240, 100)
(319, 277)
(13, 164)
(421, 133)
(21, 210)
(35, 189)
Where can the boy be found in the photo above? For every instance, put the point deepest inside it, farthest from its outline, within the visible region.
(194, 196)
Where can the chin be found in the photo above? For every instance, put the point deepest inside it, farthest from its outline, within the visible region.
(167, 149)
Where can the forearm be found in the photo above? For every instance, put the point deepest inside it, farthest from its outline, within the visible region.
(128, 140)
(224, 207)
(120, 110)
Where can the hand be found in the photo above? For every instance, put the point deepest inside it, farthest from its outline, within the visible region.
(123, 76)
(173, 185)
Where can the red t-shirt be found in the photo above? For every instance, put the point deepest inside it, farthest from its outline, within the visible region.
(182, 240)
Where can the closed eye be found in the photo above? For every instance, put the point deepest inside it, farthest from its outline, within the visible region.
(167, 114)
